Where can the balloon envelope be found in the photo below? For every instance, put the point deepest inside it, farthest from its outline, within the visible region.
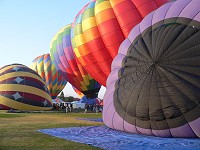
(21, 88)
(154, 88)
(62, 55)
(99, 29)
(46, 69)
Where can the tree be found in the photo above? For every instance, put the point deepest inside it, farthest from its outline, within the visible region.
(70, 99)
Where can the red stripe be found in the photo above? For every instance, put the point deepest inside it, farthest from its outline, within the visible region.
(3, 107)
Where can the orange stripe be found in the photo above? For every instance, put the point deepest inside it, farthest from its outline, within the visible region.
(91, 34)
(83, 50)
(105, 15)
(114, 2)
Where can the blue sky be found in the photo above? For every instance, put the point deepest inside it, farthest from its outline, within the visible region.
(28, 26)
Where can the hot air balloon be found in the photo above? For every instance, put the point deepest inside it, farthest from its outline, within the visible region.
(101, 26)
(78, 92)
(46, 69)
(21, 88)
(153, 87)
(63, 57)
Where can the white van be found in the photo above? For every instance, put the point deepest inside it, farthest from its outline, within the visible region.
(78, 105)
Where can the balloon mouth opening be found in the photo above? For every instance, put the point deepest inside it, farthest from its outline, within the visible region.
(91, 93)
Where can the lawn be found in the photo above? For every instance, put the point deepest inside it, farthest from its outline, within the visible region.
(18, 131)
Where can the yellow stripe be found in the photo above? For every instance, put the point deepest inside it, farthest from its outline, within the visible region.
(102, 6)
(114, 2)
(83, 86)
(34, 66)
(48, 64)
(79, 39)
(88, 23)
(20, 106)
(91, 34)
(17, 74)
(26, 89)
(9, 67)
(80, 59)
(77, 52)
(86, 79)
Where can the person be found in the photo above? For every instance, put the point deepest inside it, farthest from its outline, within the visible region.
(86, 107)
(54, 106)
(70, 107)
(97, 108)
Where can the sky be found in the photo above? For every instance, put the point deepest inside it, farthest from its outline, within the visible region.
(28, 26)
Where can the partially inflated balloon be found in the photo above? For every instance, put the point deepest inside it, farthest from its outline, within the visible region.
(21, 88)
(65, 60)
(154, 85)
(46, 69)
(101, 26)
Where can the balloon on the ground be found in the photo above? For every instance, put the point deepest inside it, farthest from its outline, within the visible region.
(21, 88)
(89, 101)
(47, 70)
(78, 92)
(101, 26)
(63, 56)
(154, 88)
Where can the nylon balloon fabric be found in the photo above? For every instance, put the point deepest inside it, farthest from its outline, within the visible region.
(101, 26)
(21, 88)
(78, 92)
(63, 56)
(153, 87)
(54, 80)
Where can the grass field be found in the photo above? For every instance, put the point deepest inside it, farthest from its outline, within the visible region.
(18, 131)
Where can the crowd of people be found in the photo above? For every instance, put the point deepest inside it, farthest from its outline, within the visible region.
(68, 107)
(91, 105)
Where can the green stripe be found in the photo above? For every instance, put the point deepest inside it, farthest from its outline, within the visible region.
(99, 1)
(78, 29)
(88, 13)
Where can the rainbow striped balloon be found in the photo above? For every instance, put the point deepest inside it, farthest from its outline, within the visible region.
(22, 89)
(101, 26)
(63, 56)
(47, 70)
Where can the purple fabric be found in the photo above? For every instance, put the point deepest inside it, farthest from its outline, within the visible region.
(183, 131)
(176, 8)
(118, 61)
(160, 15)
(64, 61)
(69, 54)
(59, 48)
(109, 139)
(195, 126)
(189, 11)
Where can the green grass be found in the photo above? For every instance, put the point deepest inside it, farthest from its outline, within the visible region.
(18, 131)
(6, 115)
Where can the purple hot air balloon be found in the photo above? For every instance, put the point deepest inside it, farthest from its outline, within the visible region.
(154, 85)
